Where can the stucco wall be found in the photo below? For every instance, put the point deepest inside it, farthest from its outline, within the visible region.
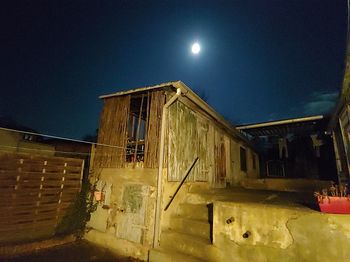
(124, 221)
(278, 233)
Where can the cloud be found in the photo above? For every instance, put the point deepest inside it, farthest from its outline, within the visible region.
(320, 103)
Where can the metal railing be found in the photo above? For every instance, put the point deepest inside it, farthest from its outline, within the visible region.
(182, 181)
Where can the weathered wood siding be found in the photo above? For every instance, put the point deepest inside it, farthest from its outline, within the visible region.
(113, 131)
(189, 135)
(205, 143)
(153, 130)
(182, 141)
(35, 193)
(220, 159)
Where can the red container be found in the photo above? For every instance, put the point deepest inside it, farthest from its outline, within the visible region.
(335, 205)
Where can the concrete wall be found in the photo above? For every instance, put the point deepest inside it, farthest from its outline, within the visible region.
(285, 184)
(124, 221)
(14, 142)
(168, 191)
(237, 175)
(9, 140)
(278, 233)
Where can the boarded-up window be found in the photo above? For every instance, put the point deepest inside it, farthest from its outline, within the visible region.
(130, 130)
(243, 158)
(153, 129)
(113, 132)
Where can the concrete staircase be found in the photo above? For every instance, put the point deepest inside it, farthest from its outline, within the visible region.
(188, 238)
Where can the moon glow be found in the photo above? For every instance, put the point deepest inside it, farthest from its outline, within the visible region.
(196, 48)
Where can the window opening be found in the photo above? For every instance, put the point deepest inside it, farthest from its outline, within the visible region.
(243, 158)
(137, 128)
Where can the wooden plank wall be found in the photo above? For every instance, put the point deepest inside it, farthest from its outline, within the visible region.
(35, 192)
(183, 141)
(220, 159)
(113, 131)
(114, 127)
(191, 134)
(205, 154)
(153, 131)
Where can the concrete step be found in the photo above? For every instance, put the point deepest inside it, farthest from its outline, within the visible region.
(198, 195)
(232, 196)
(237, 194)
(198, 188)
(204, 199)
(186, 244)
(200, 228)
(168, 255)
(193, 211)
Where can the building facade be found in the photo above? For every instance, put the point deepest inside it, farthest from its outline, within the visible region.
(148, 139)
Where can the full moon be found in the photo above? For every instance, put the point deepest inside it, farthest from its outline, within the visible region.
(196, 48)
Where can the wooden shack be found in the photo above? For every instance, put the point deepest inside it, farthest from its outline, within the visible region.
(148, 137)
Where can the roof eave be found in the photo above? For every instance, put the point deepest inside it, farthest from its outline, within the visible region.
(281, 122)
(137, 90)
(185, 90)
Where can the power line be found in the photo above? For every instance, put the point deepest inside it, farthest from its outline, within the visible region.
(41, 149)
(57, 137)
(57, 151)
(64, 138)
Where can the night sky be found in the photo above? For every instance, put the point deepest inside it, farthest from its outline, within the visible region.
(260, 60)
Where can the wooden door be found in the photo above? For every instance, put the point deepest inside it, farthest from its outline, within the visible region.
(131, 223)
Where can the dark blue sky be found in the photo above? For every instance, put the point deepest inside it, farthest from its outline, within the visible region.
(260, 60)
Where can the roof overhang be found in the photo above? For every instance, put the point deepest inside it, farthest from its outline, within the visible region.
(139, 90)
(186, 91)
(304, 125)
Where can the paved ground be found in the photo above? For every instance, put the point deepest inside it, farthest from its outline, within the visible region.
(75, 252)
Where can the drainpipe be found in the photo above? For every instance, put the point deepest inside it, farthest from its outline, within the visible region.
(160, 167)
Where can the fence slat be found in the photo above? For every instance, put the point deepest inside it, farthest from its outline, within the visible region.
(36, 191)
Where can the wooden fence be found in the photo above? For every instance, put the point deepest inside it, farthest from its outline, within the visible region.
(35, 193)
